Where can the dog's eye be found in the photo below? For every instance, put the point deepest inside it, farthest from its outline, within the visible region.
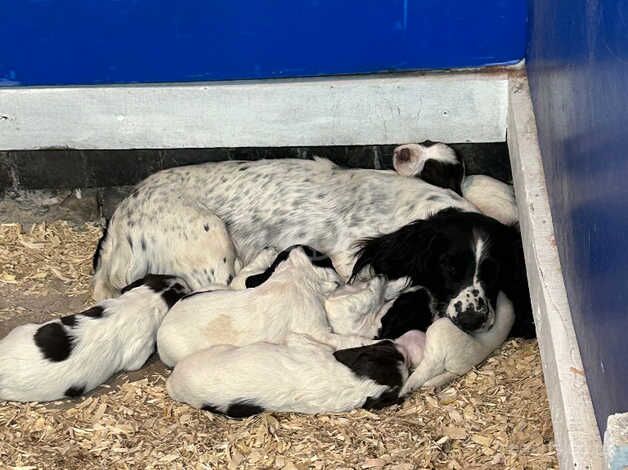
(488, 271)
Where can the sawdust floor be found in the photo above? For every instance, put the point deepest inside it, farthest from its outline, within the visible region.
(495, 417)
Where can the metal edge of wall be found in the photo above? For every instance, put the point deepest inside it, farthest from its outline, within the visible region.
(350, 110)
(576, 433)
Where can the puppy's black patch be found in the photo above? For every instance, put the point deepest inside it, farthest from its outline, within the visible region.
(94, 312)
(443, 174)
(53, 342)
(211, 408)
(258, 279)
(69, 320)
(427, 143)
(388, 398)
(156, 282)
(410, 311)
(316, 257)
(243, 409)
(379, 362)
(174, 294)
(238, 409)
(75, 391)
(101, 240)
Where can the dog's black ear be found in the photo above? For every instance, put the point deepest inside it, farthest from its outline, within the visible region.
(514, 282)
(405, 252)
(444, 174)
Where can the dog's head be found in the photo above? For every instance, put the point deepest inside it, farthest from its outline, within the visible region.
(434, 162)
(464, 259)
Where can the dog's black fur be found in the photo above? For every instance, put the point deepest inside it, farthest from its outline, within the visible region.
(438, 254)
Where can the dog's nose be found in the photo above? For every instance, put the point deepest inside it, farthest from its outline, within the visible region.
(472, 318)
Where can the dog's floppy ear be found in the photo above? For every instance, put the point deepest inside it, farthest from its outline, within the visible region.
(444, 174)
(405, 252)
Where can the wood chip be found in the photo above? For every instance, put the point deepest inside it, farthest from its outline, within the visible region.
(494, 417)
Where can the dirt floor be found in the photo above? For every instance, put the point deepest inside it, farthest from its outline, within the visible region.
(495, 417)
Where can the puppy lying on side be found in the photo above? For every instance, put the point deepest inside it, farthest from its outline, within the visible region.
(72, 355)
(450, 352)
(290, 301)
(302, 376)
(439, 164)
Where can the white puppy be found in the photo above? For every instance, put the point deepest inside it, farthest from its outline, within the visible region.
(302, 376)
(493, 197)
(290, 301)
(450, 352)
(72, 355)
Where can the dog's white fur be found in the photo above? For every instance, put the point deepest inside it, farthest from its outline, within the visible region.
(493, 197)
(419, 154)
(184, 240)
(122, 339)
(290, 301)
(450, 352)
(300, 376)
(357, 309)
(277, 203)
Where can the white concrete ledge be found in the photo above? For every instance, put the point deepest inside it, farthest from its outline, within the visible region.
(364, 110)
(577, 437)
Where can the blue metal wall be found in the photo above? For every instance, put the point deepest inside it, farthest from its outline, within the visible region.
(59, 42)
(578, 68)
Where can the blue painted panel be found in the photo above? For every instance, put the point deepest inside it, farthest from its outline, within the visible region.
(578, 69)
(55, 42)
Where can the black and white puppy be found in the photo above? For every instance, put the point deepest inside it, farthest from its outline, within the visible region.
(440, 165)
(463, 259)
(71, 355)
(316, 257)
(379, 309)
(434, 162)
(302, 375)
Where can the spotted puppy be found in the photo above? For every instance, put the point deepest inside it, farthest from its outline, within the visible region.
(72, 355)
(301, 375)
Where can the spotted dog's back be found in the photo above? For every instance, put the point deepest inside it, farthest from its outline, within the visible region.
(276, 203)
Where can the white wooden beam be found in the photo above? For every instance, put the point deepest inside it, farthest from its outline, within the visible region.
(364, 110)
(577, 437)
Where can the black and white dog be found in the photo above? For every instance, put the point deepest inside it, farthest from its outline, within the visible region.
(306, 376)
(409, 224)
(74, 354)
(440, 165)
